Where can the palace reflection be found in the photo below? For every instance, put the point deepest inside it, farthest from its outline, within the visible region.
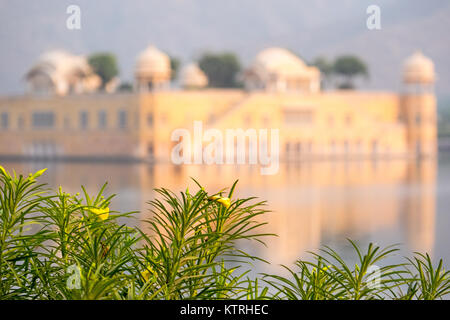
(311, 203)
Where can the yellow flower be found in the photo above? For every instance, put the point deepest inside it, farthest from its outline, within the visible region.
(321, 270)
(36, 174)
(3, 171)
(101, 213)
(226, 202)
(147, 273)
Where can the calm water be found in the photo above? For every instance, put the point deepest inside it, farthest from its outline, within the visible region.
(312, 203)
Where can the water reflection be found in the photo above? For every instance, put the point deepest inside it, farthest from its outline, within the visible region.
(312, 203)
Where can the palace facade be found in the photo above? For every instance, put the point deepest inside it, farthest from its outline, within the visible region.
(61, 117)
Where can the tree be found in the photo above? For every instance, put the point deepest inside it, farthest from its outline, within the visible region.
(221, 69)
(326, 69)
(174, 66)
(349, 67)
(105, 66)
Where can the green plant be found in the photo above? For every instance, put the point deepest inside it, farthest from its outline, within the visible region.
(426, 282)
(105, 66)
(349, 67)
(330, 277)
(185, 256)
(221, 69)
(54, 245)
(194, 234)
(19, 201)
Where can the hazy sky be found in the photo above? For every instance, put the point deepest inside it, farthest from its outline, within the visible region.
(186, 28)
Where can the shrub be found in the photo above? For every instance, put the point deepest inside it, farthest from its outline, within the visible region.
(54, 245)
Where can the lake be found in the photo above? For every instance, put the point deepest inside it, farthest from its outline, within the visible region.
(312, 203)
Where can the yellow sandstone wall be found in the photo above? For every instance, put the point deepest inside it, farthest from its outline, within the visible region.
(340, 124)
(66, 133)
(348, 124)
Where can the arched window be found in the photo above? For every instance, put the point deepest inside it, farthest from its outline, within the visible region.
(4, 120)
(84, 120)
(374, 147)
(123, 119)
(298, 148)
(287, 148)
(102, 119)
(150, 149)
(150, 120)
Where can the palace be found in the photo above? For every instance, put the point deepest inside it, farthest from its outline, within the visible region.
(61, 116)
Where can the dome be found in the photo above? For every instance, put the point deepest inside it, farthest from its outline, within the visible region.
(54, 57)
(152, 61)
(193, 77)
(59, 71)
(279, 61)
(62, 62)
(53, 63)
(279, 70)
(418, 69)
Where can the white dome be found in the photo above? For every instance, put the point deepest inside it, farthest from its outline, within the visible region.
(279, 61)
(54, 57)
(59, 69)
(418, 69)
(279, 70)
(193, 77)
(53, 63)
(62, 61)
(152, 61)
